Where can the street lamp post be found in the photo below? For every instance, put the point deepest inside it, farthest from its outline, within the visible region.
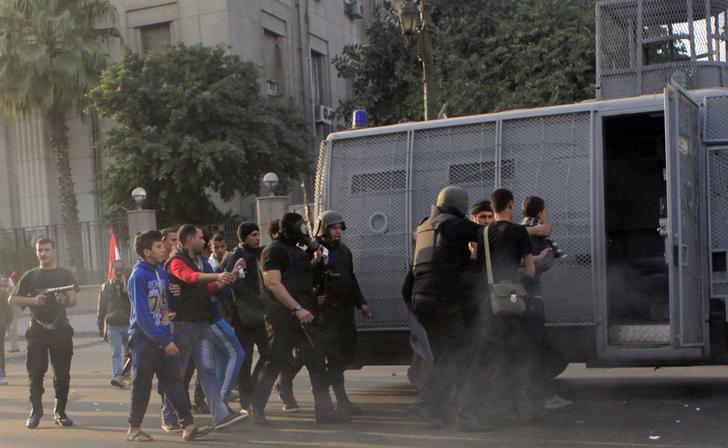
(414, 18)
(270, 180)
(141, 219)
(271, 207)
(139, 194)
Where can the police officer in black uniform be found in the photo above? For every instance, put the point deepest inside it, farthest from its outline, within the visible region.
(49, 332)
(291, 319)
(439, 293)
(338, 294)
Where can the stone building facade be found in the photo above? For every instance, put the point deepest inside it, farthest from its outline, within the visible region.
(293, 41)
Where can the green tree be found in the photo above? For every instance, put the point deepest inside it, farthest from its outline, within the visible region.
(488, 56)
(385, 74)
(191, 122)
(51, 54)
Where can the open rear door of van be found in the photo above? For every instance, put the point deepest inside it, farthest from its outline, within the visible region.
(685, 241)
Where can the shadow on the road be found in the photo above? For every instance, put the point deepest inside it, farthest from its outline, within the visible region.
(677, 388)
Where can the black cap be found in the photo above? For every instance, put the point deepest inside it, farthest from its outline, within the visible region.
(245, 229)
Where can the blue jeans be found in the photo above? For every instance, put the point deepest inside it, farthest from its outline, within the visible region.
(118, 337)
(194, 340)
(229, 354)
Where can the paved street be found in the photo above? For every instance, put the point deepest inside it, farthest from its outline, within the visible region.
(615, 408)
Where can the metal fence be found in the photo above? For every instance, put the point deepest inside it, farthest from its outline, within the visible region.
(385, 184)
(642, 44)
(17, 252)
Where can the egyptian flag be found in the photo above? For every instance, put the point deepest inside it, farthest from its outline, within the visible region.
(114, 255)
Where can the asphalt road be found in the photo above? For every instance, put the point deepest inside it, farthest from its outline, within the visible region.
(677, 407)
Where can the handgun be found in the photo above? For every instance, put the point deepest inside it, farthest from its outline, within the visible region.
(51, 293)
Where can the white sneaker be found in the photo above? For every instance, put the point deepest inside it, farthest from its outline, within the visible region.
(556, 402)
(3, 381)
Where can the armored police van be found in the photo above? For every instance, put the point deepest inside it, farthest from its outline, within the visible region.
(635, 182)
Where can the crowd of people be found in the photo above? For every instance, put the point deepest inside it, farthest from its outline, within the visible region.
(191, 304)
(475, 289)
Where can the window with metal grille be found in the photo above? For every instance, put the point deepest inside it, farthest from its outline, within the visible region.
(478, 172)
(382, 181)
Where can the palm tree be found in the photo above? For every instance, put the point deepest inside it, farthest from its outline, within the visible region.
(51, 55)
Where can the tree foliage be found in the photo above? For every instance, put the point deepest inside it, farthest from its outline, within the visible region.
(51, 52)
(192, 121)
(489, 56)
(51, 55)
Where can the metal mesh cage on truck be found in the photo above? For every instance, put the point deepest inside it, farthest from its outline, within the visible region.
(384, 184)
(643, 44)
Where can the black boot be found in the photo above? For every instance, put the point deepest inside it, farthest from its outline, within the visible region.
(331, 416)
(257, 416)
(343, 404)
(35, 414)
(325, 412)
(59, 413)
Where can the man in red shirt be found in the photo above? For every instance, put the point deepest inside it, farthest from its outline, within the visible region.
(193, 313)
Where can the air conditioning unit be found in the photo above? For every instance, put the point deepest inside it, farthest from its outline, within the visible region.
(354, 9)
(325, 114)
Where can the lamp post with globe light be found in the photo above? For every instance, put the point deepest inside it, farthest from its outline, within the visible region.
(270, 207)
(139, 195)
(139, 220)
(270, 180)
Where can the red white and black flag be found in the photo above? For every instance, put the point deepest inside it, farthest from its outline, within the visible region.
(114, 255)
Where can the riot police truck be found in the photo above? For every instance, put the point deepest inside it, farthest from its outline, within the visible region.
(635, 181)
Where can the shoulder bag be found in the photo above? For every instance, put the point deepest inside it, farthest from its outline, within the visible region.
(507, 298)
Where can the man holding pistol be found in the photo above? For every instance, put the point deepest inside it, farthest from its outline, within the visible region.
(48, 290)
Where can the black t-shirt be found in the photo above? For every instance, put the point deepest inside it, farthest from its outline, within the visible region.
(36, 280)
(509, 243)
(298, 279)
(460, 230)
(274, 258)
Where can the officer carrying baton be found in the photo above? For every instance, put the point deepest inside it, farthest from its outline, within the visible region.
(308, 335)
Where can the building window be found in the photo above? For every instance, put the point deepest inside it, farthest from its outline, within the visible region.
(154, 37)
(273, 63)
(319, 79)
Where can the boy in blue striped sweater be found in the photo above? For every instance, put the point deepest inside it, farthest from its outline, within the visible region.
(151, 340)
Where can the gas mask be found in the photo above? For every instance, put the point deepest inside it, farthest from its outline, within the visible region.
(305, 238)
(295, 231)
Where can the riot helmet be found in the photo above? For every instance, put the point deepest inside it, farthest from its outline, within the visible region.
(453, 198)
(327, 219)
(293, 230)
